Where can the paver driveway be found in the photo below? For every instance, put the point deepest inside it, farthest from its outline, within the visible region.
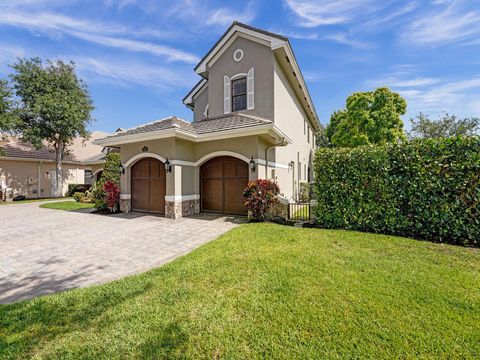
(44, 251)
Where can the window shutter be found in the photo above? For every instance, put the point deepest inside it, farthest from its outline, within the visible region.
(250, 89)
(226, 95)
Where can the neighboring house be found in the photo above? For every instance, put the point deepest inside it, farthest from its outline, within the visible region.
(252, 118)
(29, 172)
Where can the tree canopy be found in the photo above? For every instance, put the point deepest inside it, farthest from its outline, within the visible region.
(371, 117)
(445, 126)
(51, 104)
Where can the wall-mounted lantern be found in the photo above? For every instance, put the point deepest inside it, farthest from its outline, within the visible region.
(252, 164)
(168, 166)
(145, 149)
(121, 169)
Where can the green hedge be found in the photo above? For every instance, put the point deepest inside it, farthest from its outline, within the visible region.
(427, 189)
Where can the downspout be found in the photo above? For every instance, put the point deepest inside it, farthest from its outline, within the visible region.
(282, 142)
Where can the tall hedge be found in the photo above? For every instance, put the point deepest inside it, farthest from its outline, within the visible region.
(427, 189)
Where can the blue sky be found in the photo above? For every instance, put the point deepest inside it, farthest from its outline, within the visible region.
(137, 56)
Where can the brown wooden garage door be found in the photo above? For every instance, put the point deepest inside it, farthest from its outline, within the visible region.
(148, 186)
(222, 181)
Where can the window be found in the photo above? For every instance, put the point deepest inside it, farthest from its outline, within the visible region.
(308, 135)
(304, 126)
(239, 94)
(88, 178)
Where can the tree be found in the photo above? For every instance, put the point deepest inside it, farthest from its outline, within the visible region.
(445, 126)
(369, 118)
(53, 106)
(111, 173)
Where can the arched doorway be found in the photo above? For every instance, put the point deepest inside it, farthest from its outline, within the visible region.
(148, 182)
(222, 181)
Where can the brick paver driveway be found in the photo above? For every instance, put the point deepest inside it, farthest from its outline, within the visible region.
(44, 251)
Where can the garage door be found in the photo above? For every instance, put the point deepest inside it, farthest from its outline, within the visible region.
(148, 186)
(222, 181)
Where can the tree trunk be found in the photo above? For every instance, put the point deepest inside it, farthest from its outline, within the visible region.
(58, 170)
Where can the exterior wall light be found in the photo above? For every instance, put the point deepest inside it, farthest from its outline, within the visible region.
(168, 166)
(145, 149)
(252, 164)
(121, 169)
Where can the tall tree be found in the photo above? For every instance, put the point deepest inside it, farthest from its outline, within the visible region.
(53, 106)
(7, 117)
(445, 126)
(369, 118)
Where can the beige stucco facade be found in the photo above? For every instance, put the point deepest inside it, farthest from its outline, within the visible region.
(276, 93)
(33, 179)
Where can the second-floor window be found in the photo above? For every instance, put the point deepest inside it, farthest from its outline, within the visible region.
(239, 94)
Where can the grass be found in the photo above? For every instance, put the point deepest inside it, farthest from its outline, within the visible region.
(67, 205)
(33, 200)
(267, 291)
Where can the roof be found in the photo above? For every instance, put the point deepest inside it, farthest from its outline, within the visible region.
(204, 126)
(79, 151)
(245, 26)
(278, 44)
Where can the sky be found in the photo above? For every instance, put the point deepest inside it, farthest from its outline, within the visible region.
(137, 56)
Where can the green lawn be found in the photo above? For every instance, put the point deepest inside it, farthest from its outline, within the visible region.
(67, 205)
(268, 291)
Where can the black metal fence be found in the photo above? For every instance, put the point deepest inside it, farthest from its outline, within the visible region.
(299, 211)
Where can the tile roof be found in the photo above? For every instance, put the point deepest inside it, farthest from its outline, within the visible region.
(204, 126)
(80, 149)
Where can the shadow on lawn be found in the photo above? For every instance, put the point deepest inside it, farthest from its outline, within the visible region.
(25, 324)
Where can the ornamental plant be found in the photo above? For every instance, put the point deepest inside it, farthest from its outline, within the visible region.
(260, 195)
(112, 195)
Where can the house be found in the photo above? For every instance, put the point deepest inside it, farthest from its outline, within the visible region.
(252, 118)
(29, 172)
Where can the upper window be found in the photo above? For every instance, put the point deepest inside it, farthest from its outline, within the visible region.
(239, 94)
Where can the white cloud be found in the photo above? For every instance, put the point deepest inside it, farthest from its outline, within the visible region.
(328, 12)
(343, 38)
(123, 73)
(454, 23)
(225, 16)
(55, 25)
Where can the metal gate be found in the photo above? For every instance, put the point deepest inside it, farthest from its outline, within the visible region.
(300, 211)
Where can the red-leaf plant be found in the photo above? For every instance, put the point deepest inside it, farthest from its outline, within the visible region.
(260, 195)
(112, 195)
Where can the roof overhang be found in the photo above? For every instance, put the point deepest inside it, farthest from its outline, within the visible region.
(268, 129)
(188, 99)
(67, 162)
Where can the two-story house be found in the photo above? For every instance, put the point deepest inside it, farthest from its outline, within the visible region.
(252, 118)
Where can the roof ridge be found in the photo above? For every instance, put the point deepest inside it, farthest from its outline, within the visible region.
(149, 123)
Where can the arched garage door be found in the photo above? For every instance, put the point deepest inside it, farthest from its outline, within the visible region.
(222, 181)
(148, 186)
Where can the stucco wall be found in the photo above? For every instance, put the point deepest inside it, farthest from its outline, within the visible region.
(200, 102)
(33, 179)
(290, 117)
(257, 56)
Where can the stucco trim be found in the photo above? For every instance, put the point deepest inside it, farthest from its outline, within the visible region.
(137, 157)
(271, 164)
(182, 197)
(220, 153)
(125, 196)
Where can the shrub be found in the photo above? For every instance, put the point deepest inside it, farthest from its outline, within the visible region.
(112, 195)
(427, 189)
(260, 195)
(78, 196)
(73, 188)
(110, 173)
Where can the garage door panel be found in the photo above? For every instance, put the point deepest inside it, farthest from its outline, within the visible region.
(212, 199)
(234, 202)
(213, 171)
(157, 195)
(223, 180)
(148, 186)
